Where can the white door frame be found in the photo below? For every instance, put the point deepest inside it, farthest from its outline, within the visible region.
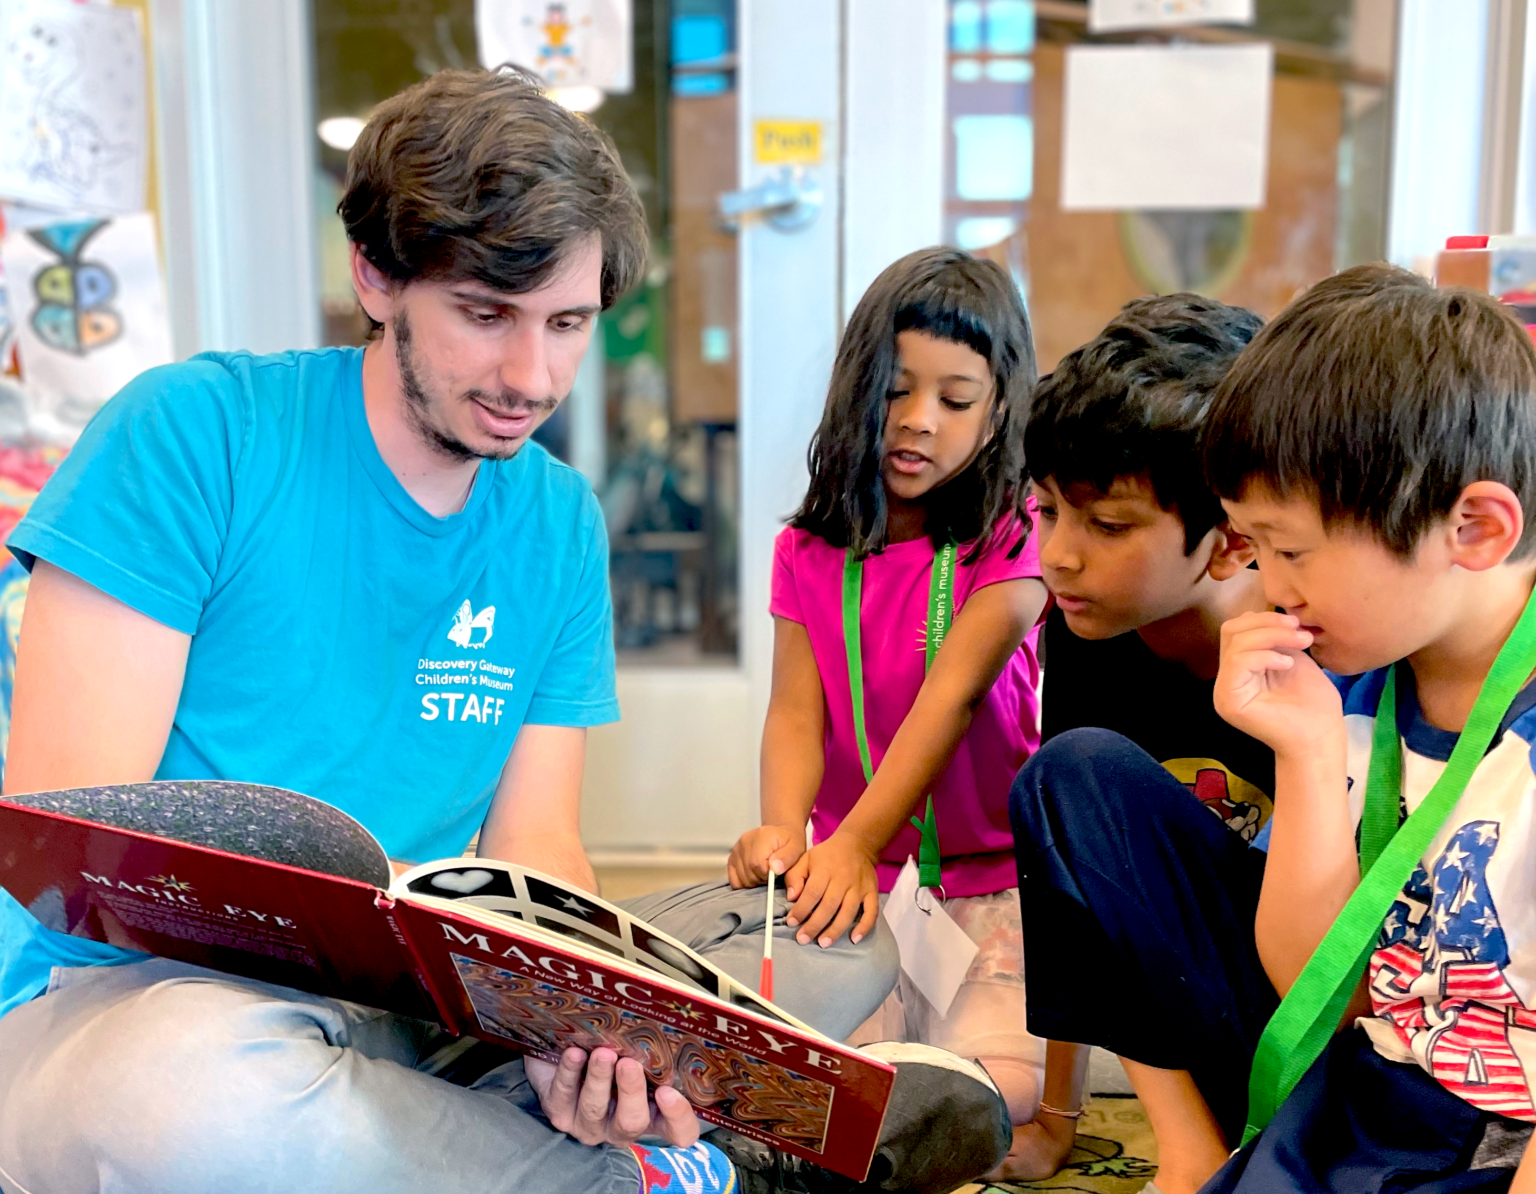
(236, 126)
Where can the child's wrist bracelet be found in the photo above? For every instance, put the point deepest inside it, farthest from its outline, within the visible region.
(1049, 1110)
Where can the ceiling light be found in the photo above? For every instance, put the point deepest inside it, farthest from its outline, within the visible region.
(578, 99)
(340, 132)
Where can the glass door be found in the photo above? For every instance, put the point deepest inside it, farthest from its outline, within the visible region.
(752, 126)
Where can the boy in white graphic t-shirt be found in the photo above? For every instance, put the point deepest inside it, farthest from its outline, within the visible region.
(1377, 443)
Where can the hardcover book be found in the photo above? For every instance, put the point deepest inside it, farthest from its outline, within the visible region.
(275, 886)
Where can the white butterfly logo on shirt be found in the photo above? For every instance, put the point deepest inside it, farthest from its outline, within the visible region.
(466, 622)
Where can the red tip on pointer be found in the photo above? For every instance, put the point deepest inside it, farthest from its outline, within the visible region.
(765, 982)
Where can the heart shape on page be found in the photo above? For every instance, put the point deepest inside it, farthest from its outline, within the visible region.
(462, 882)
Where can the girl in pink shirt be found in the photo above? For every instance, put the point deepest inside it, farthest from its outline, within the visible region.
(920, 450)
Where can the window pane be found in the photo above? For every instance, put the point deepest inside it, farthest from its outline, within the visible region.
(1010, 26)
(994, 157)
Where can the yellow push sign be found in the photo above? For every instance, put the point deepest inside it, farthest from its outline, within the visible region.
(787, 142)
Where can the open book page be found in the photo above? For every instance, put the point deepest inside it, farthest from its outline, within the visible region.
(743, 1067)
(542, 903)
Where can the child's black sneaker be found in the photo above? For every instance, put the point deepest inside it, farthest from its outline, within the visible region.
(946, 1125)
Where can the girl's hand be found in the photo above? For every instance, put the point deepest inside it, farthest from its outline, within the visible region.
(833, 886)
(775, 847)
(1270, 689)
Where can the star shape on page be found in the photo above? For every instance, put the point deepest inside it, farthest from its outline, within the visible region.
(571, 903)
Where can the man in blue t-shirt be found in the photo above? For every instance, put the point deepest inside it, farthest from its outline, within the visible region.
(348, 572)
(345, 572)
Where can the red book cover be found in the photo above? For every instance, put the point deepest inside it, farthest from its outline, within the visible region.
(274, 886)
(263, 920)
(740, 1067)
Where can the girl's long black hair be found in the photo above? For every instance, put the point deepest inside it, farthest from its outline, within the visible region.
(952, 296)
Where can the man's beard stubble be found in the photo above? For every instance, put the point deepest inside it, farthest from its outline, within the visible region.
(419, 404)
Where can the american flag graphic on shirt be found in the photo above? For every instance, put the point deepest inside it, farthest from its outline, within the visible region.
(1438, 977)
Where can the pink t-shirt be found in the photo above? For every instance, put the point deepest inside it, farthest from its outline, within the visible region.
(970, 800)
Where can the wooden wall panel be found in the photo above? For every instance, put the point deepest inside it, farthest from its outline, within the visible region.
(703, 261)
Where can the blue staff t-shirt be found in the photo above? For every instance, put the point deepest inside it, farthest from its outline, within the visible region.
(345, 642)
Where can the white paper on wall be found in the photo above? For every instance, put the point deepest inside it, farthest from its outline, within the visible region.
(1166, 127)
(90, 315)
(1106, 16)
(568, 43)
(73, 115)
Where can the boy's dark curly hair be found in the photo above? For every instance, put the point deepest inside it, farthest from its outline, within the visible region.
(1132, 402)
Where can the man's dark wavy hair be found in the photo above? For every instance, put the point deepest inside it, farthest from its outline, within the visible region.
(952, 296)
(475, 174)
(1381, 398)
(1132, 402)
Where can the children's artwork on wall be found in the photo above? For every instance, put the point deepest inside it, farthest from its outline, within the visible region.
(73, 113)
(90, 315)
(1105, 16)
(568, 43)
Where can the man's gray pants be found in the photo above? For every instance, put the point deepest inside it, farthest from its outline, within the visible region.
(162, 1078)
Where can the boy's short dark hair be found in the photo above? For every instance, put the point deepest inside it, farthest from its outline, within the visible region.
(1132, 401)
(1382, 398)
(474, 174)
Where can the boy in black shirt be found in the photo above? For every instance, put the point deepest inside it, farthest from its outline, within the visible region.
(1136, 550)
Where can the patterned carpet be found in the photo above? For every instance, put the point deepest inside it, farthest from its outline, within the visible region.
(1115, 1153)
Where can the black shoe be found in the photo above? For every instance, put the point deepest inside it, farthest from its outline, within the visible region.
(946, 1125)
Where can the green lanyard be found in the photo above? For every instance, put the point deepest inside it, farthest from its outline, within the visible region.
(1307, 1017)
(940, 613)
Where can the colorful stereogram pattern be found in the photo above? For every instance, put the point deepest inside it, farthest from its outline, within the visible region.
(713, 1077)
